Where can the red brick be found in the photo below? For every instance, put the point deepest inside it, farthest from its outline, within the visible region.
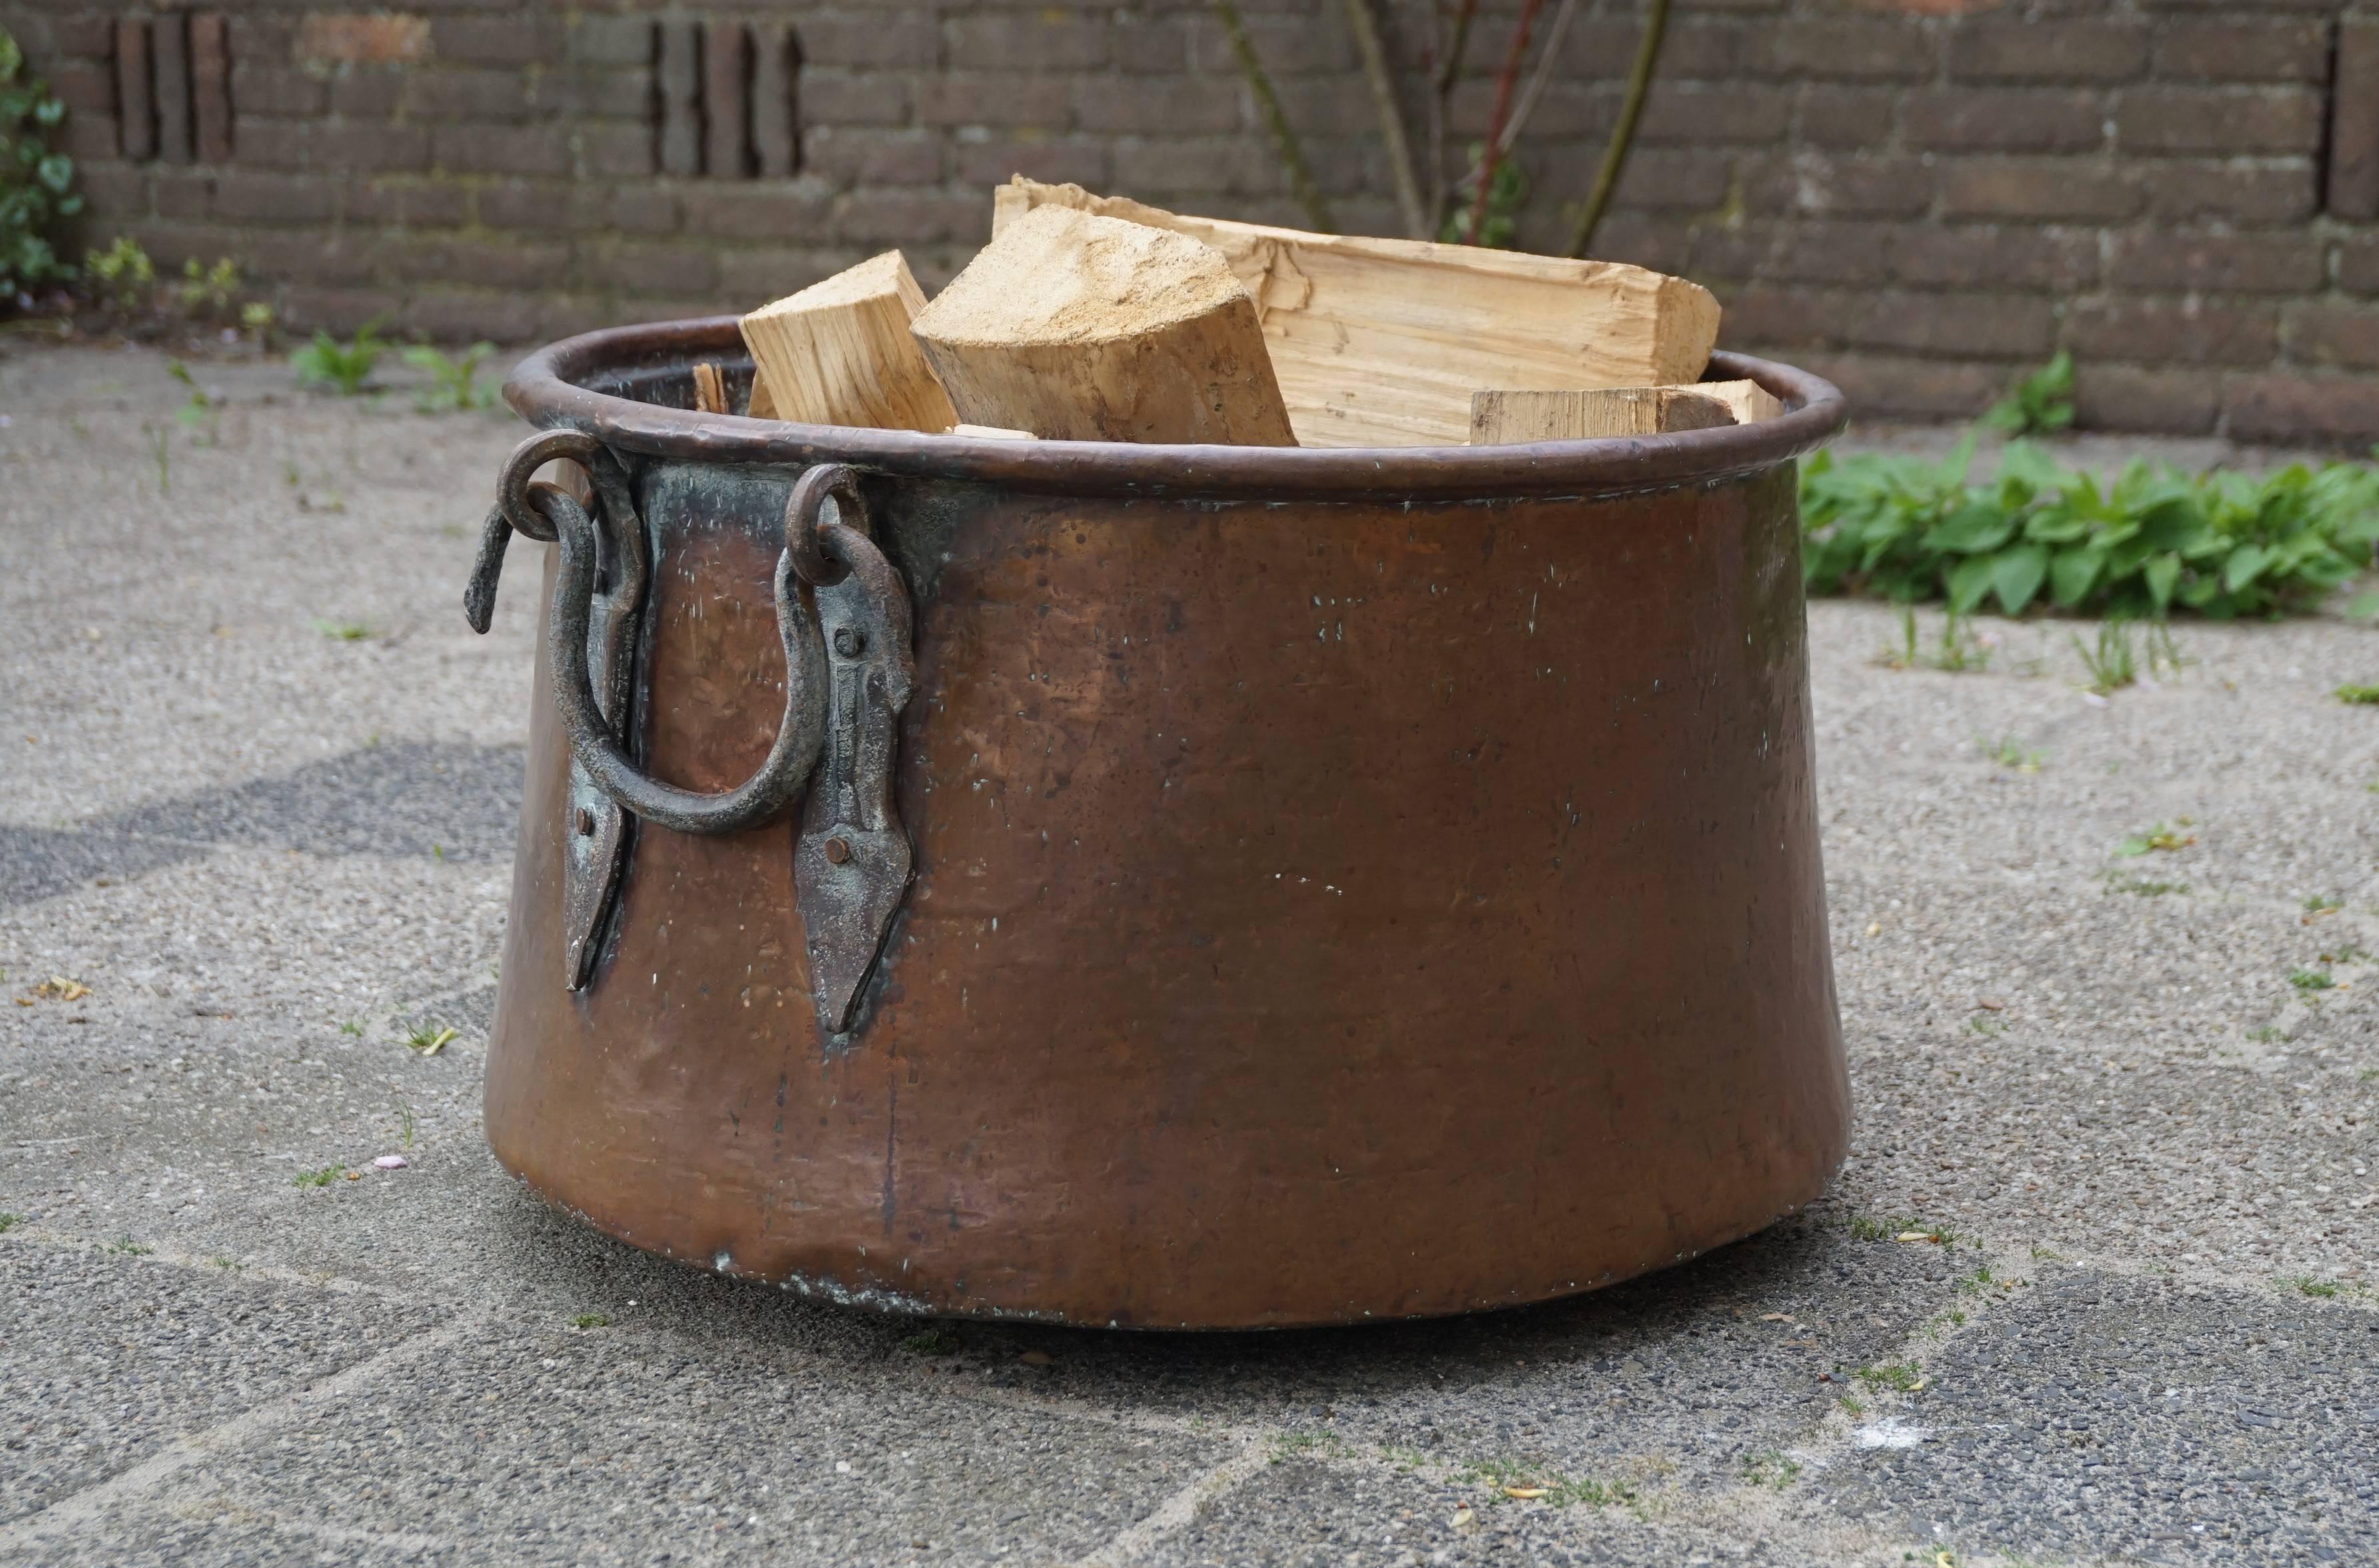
(608, 41)
(366, 92)
(490, 94)
(776, 271)
(2243, 49)
(2281, 407)
(846, 98)
(2115, 397)
(1957, 325)
(1671, 179)
(517, 40)
(305, 307)
(1295, 45)
(85, 87)
(758, 212)
(2078, 189)
(524, 204)
(1075, 159)
(645, 209)
(277, 92)
(2353, 189)
(1982, 256)
(2223, 120)
(1849, 187)
(506, 264)
(1661, 243)
(2358, 264)
(427, 202)
(1153, 107)
(1920, 389)
(183, 194)
(1733, 113)
(2163, 332)
(1035, 42)
(503, 150)
(1826, 253)
(2180, 261)
(2279, 190)
(904, 217)
(460, 315)
(2034, 51)
(1765, 316)
(1847, 117)
(211, 85)
(90, 138)
(613, 151)
(2004, 120)
(1146, 45)
(352, 145)
(1854, 49)
(642, 268)
(248, 196)
(870, 40)
(2326, 332)
(581, 93)
(864, 156)
(378, 38)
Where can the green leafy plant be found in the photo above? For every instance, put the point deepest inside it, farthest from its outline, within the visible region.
(122, 277)
(2307, 1286)
(344, 631)
(322, 1177)
(209, 291)
(453, 383)
(199, 412)
(2311, 979)
(1507, 195)
(1898, 1377)
(11, 1222)
(2007, 753)
(2362, 697)
(345, 366)
(933, 1342)
(590, 1320)
(36, 180)
(2152, 541)
(429, 1039)
(2163, 836)
(1958, 651)
(2039, 402)
(130, 1247)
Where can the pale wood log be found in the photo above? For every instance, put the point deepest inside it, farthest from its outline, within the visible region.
(710, 389)
(760, 404)
(1503, 418)
(1749, 400)
(1081, 328)
(1381, 342)
(840, 353)
(992, 433)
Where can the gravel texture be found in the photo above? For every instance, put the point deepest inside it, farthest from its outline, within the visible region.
(260, 791)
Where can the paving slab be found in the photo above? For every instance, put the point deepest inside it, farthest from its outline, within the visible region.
(2144, 1419)
(258, 791)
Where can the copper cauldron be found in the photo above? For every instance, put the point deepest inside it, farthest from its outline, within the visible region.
(1160, 887)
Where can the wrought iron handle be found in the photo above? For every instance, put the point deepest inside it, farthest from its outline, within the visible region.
(800, 732)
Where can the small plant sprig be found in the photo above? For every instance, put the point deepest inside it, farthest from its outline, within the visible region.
(453, 382)
(2040, 401)
(121, 278)
(1958, 652)
(36, 180)
(2009, 754)
(344, 366)
(2168, 838)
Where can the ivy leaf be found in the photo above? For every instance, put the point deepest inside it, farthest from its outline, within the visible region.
(1969, 580)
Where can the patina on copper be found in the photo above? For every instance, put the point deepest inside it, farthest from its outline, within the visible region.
(1347, 885)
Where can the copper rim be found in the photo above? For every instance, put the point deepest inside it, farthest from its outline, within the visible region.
(550, 389)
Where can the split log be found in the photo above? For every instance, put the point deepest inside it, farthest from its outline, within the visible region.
(1080, 327)
(1381, 342)
(1749, 400)
(840, 353)
(1503, 418)
(709, 389)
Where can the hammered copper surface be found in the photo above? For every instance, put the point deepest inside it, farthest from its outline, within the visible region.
(1325, 910)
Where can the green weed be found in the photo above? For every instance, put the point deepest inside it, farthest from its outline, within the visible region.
(2311, 979)
(2269, 1035)
(1898, 1377)
(122, 276)
(2110, 662)
(344, 366)
(130, 1247)
(2321, 905)
(2166, 838)
(590, 1320)
(453, 383)
(322, 1177)
(352, 1026)
(2359, 695)
(429, 1039)
(2040, 401)
(933, 1342)
(1516, 1479)
(11, 1222)
(2141, 887)
(1851, 1406)
(2305, 1285)
(1958, 652)
(1772, 1468)
(2008, 754)
(344, 631)
(200, 410)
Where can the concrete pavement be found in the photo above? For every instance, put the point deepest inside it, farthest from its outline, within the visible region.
(258, 795)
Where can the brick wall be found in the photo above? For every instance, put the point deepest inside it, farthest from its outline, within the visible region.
(1917, 197)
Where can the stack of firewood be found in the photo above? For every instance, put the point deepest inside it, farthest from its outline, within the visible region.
(1092, 317)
